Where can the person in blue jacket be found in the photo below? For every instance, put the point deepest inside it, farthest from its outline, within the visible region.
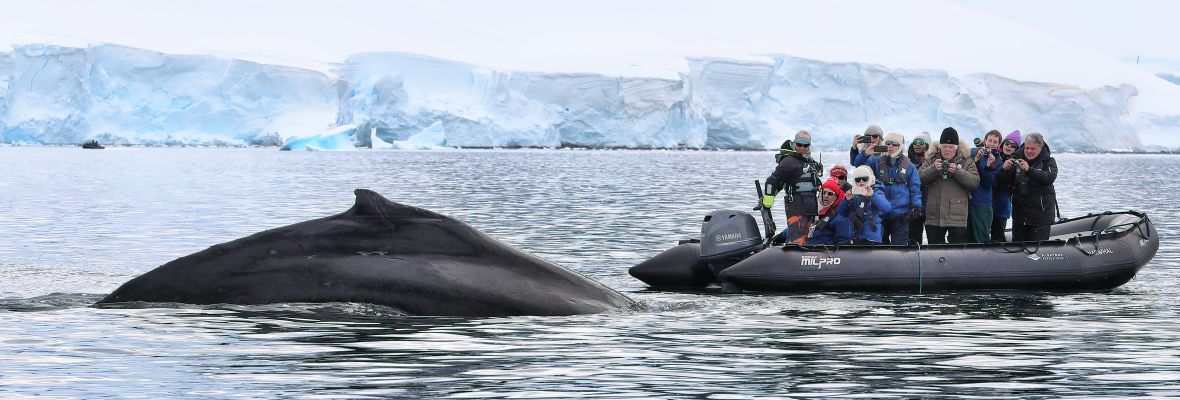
(830, 227)
(979, 209)
(902, 185)
(865, 205)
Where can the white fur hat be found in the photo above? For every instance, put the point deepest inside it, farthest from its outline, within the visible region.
(862, 171)
(896, 137)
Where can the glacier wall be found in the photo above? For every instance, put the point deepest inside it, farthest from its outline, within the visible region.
(62, 95)
(402, 95)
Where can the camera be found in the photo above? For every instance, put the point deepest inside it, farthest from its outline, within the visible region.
(979, 144)
(865, 139)
(946, 173)
(880, 148)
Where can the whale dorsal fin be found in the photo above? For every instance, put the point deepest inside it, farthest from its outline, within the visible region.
(370, 203)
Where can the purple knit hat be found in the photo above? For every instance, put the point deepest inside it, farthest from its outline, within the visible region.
(1014, 137)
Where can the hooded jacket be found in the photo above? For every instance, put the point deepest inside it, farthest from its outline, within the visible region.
(864, 212)
(1034, 198)
(831, 227)
(947, 206)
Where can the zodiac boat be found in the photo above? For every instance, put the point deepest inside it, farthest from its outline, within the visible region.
(1090, 253)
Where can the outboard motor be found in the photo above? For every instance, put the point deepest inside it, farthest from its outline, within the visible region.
(728, 236)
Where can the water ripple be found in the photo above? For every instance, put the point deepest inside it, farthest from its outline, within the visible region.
(76, 225)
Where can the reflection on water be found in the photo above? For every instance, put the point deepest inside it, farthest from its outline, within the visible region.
(77, 224)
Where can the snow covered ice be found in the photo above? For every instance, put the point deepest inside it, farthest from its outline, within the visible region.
(62, 95)
(670, 86)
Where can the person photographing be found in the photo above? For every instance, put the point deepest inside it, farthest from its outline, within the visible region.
(898, 178)
(987, 159)
(1034, 200)
(865, 205)
(949, 176)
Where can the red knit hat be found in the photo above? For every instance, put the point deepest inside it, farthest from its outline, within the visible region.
(838, 168)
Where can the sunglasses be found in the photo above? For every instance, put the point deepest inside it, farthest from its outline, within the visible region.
(874, 136)
(829, 193)
(919, 142)
(892, 143)
(803, 145)
(840, 177)
(1009, 143)
(862, 179)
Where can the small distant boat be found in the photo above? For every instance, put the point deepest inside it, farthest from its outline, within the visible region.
(92, 144)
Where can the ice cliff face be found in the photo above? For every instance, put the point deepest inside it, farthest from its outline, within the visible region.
(117, 94)
(403, 95)
(761, 103)
(124, 95)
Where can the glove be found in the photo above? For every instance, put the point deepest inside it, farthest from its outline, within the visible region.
(914, 213)
(767, 201)
(779, 238)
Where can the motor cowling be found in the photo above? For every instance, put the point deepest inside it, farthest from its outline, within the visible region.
(728, 233)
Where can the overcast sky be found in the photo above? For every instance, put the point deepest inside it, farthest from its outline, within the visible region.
(328, 31)
(1116, 28)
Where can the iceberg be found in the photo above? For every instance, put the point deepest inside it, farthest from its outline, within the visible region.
(335, 139)
(433, 137)
(376, 142)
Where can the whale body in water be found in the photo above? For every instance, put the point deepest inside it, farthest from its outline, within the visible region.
(380, 252)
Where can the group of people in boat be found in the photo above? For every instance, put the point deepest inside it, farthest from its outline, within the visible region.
(953, 192)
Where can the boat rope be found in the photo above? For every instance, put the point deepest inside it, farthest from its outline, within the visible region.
(1004, 246)
(1077, 243)
(1139, 228)
(1024, 245)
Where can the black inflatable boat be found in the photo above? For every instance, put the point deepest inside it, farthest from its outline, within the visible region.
(1094, 252)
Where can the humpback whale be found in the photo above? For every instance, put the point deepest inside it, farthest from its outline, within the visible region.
(380, 252)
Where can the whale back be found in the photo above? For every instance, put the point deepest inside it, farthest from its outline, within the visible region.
(378, 251)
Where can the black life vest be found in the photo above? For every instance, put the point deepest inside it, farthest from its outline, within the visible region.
(861, 213)
(883, 175)
(808, 182)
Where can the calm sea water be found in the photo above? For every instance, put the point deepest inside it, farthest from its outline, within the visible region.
(75, 224)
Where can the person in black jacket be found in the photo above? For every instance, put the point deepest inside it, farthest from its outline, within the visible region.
(799, 175)
(1031, 173)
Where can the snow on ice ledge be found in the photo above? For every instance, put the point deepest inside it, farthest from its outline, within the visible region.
(396, 100)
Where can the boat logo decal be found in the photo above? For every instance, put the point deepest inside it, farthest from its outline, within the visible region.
(1142, 242)
(1103, 251)
(729, 236)
(818, 261)
(1046, 256)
